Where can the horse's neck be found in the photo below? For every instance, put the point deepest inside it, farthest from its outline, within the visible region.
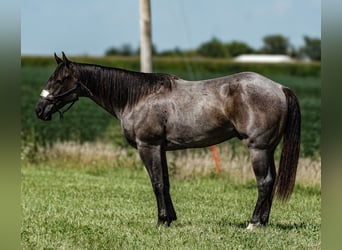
(101, 85)
(117, 90)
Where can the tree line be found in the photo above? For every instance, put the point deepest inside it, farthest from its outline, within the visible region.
(214, 48)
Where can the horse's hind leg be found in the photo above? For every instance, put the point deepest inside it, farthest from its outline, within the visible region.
(154, 159)
(264, 170)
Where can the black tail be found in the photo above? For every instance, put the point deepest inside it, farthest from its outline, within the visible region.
(291, 145)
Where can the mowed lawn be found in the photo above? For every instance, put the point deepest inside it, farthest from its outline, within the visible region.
(115, 208)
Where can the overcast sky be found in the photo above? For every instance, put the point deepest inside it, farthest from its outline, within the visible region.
(91, 27)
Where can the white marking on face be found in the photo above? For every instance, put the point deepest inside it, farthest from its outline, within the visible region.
(44, 93)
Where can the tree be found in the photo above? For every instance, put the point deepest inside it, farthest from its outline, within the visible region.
(112, 51)
(275, 44)
(124, 50)
(213, 48)
(236, 48)
(172, 52)
(312, 48)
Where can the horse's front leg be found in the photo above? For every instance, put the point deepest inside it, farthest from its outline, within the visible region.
(154, 159)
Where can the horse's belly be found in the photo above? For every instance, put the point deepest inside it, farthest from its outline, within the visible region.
(192, 138)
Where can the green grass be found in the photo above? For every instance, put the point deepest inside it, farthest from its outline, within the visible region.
(114, 208)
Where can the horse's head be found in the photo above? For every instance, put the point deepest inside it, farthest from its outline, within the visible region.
(62, 88)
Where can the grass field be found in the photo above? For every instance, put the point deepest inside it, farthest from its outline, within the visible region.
(114, 208)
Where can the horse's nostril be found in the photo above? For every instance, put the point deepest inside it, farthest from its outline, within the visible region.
(39, 110)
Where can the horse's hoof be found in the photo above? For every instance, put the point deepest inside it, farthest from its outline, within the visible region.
(252, 226)
(164, 223)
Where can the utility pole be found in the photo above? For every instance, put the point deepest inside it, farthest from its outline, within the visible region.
(145, 37)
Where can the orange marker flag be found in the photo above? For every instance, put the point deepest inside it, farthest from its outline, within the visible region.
(213, 149)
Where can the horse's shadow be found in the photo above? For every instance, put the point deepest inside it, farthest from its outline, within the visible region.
(224, 222)
(289, 226)
(279, 226)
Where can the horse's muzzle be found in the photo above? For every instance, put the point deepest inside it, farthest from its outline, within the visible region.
(44, 111)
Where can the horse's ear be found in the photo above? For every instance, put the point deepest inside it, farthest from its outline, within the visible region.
(65, 59)
(58, 60)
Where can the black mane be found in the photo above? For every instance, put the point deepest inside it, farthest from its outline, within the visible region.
(122, 88)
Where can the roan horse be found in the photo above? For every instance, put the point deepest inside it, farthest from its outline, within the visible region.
(161, 112)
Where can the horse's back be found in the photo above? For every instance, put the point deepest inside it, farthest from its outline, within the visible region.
(250, 82)
(242, 89)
